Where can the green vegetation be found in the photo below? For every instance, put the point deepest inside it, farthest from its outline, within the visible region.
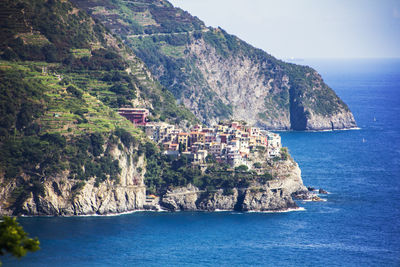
(20, 103)
(60, 85)
(284, 153)
(173, 51)
(48, 26)
(159, 34)
(80, 53)
(164, 172)
(224, 43)
(49, 128)
(78, 45)
(257, 165)
(44, 156)
(14, 240)
(302, 81)
(41, 102)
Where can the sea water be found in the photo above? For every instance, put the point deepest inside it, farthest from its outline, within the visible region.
(358, 225)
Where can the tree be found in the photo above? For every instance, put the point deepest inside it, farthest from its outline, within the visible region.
(14, 240)
(257, 165)
(284, 153)
(241, 168)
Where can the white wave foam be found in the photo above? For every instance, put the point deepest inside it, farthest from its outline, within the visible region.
(310, 200)
(279, 211)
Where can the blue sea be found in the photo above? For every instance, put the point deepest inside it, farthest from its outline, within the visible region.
(358, 225)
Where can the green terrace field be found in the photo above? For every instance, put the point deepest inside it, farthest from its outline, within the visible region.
(69, 109)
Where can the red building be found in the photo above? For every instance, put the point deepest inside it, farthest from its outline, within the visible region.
(137, 116)
(223, 138)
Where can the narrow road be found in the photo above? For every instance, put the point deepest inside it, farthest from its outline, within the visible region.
(165, 34)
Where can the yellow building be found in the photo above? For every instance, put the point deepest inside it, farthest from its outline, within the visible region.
(197, 137)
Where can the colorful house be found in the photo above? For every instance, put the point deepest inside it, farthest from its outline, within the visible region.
(137, 116)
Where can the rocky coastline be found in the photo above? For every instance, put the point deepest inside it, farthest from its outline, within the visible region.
(61, 199)
(275, 195)
(62, 196)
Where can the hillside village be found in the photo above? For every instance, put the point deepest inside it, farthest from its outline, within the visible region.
(228, 142)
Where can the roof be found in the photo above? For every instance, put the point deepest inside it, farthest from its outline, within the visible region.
(134, 109)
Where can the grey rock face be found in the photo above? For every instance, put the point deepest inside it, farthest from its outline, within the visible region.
(108, 197)
(275, 195)
(181, 198)
(266, 93)
(129, 194)
(218, 200)
(338, 121)
(267, 200)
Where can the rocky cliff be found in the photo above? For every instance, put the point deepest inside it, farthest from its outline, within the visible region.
(269, 93)
(274, 195)
(62, 196)
(218, 76)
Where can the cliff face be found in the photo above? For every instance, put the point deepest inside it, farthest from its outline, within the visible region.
(64, 196)
(217, 75)
(240, 82)
(269, 94)
(342, 119)
(275, 195)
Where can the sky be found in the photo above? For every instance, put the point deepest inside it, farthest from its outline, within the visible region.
(307, 28)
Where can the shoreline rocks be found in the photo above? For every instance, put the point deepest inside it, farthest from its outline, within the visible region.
(129, 194)
(275, 195)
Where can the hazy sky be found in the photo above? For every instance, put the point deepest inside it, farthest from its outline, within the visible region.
(307, 28)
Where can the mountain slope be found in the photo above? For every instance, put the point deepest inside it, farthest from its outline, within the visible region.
(218, 76)
(57, 32)
(64, 149)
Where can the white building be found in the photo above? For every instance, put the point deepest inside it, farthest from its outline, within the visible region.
(274, 144)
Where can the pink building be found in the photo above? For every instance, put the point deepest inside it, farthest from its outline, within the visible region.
(137, 116)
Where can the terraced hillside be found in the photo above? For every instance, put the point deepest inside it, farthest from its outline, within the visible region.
(216, 75)
(63, 147)
(57, 32)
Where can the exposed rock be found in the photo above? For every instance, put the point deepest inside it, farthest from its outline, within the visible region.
(275, 195)
(322, 191)
(267, 200)
(316, 199)
(60, 197)
(181, 198)
(265, 93)
(340, 120)
(303, 195)
(218, 200)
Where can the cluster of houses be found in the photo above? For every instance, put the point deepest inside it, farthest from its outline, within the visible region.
(230, 142)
